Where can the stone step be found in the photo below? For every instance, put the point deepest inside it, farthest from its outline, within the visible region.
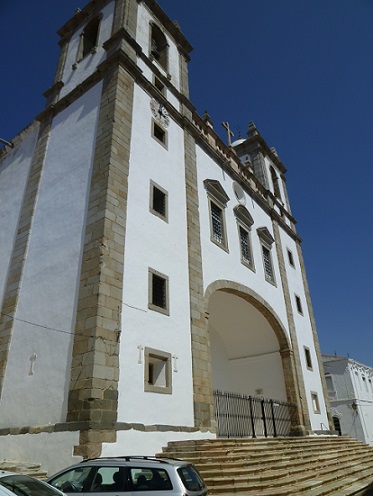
(284, 467)
(277, 468)
(241, 457)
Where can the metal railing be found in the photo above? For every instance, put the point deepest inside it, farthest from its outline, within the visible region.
(238, 415)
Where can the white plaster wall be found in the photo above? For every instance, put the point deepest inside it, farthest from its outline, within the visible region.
(217, 263)
(312, 378)
(143, 39)
(53, 451)
(245, 375)
(87, 66)
(14, 171)
(151, 242)
(46, 310)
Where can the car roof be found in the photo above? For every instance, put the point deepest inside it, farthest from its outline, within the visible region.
(129, 460)
(4, 473)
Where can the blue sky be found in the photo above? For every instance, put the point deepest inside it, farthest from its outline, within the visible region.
(303, 72)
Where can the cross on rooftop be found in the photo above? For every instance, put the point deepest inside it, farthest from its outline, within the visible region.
(230, 133)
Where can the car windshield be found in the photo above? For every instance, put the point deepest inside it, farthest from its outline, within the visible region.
(191, 478)
(22, 485)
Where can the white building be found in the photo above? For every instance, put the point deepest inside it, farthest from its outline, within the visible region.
(350, 390)
(144, 263)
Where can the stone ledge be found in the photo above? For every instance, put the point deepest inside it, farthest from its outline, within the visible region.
(99, 426)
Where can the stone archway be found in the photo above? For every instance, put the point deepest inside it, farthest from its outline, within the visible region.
(251, 352)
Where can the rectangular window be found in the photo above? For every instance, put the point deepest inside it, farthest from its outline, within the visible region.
(267, 261)
(315, 403)
(299, 304)
(159, 134)
(159, 85)
(158, 292)
(246, 254)
(158, 201)
(291, 258)
(157, 371)
(308, 358)
(217, 225)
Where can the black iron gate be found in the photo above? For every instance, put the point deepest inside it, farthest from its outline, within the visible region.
(238, 415)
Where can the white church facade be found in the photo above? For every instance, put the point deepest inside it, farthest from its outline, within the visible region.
(145, 264)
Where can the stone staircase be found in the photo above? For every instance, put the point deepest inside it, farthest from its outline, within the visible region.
(315, 466)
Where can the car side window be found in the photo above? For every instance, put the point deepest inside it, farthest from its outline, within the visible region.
(108, 479)
(72, 481)
(150, 479)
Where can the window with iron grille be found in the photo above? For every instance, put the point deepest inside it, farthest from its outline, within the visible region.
(267, 241)
(158, 201)
(158, 292)
(246, 254)
(244, 222)
(217, 199)
(267, 261)
(217, 224)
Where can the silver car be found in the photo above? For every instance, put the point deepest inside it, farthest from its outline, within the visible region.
(125, 475)
(15, 484)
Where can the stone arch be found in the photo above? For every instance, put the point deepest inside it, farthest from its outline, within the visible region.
(285, 348)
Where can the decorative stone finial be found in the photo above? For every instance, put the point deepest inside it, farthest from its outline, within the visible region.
(252, 130)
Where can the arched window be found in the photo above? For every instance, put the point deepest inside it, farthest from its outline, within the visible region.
(276, 187)
(89, 38)
(159, 46)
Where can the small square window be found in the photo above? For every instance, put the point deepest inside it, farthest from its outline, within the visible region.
(159, 134)
(315, 402)
(299, 304)
(308, 358)
(291, 258)
(158, 201)
(158, 292)
(158, 376)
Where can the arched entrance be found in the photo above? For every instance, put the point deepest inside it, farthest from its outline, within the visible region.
(245, 352)
(250, 350)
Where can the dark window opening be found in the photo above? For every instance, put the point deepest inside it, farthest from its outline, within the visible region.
(159, 133)
(308, 358)
(159, 46)
(275, 182)
(159, 201)
(89, 38)
(291, 258)
(299, 304)
(159, 293)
